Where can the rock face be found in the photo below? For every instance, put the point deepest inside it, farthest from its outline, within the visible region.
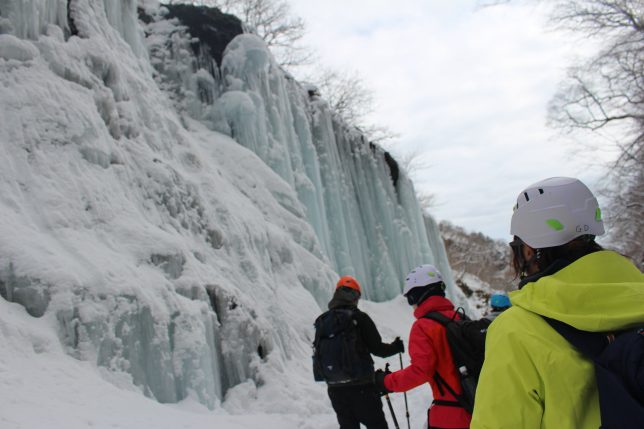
(212, 29)
(478, 255)
(179, 217)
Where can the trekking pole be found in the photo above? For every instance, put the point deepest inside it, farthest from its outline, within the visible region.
(393, 415)
(405, 393)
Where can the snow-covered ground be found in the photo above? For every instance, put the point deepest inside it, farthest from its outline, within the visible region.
(43, 387)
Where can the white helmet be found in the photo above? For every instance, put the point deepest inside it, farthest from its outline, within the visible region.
(555, 211)
(423, 275)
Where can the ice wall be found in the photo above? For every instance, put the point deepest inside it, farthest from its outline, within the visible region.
(174, 259)
(26, 19)
(181, 225)
(361, 205)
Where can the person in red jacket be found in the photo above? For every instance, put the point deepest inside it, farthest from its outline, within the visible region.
(431, 358)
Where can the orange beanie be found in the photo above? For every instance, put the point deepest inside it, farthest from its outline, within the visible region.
(349, 282)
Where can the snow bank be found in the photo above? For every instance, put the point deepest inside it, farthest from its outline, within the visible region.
(42, 386)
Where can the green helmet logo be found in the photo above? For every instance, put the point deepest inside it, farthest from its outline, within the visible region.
(554, 224)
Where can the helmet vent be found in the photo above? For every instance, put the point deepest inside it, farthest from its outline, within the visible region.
(527, 198)
(540, 191)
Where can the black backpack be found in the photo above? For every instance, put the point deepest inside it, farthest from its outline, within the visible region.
(619, 370)
(466, 339)
(339, 354)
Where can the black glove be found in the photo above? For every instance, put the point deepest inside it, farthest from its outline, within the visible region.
(379, 380)
(398, 344)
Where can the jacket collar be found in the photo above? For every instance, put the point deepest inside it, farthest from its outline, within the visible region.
(553, 268)
(433, 303)
(602, 291)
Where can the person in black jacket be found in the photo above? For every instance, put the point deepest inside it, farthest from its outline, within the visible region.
(355, 399)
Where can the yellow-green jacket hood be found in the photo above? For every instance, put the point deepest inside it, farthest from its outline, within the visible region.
(602, 291)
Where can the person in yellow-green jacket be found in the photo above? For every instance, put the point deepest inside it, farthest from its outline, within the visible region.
(532, 377)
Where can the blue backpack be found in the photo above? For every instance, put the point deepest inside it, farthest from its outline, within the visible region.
(619, 369)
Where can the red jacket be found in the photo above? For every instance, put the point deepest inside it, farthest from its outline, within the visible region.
(429, 354)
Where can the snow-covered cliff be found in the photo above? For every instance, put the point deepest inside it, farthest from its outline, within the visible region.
(177, 221)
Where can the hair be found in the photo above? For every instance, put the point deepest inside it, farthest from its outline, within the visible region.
(347, 291)
(571, 251)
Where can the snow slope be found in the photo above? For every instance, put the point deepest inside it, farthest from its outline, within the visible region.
(43, 387)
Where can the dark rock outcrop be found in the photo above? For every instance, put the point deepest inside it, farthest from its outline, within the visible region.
(213, 28)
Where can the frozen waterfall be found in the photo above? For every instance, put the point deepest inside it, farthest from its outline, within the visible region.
(361, 205)
(180, 221)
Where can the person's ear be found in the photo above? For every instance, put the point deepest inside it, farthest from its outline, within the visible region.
(529, 255)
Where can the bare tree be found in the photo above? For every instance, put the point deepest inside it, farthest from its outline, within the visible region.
(414, 165)
(427, 200)
(273, 21)
(605, 95)
(352, 100)
(412, 162)
(346, 94)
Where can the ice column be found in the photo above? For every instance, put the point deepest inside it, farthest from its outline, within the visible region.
(361, 205)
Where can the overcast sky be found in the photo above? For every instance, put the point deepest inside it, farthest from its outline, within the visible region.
(465, 87)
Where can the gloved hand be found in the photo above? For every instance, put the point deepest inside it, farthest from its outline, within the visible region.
(379, 379)
(398, 344)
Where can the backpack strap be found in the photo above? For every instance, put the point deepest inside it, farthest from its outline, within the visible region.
(440, 383)
(591, 344)
(459, 402)
(438, 317)
(446, 403)
(444, 320)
